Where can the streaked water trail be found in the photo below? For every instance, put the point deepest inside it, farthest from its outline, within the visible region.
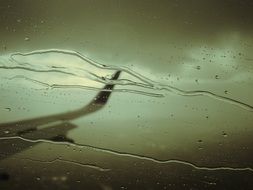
(64, 161)
(130, 155)
(98, 73)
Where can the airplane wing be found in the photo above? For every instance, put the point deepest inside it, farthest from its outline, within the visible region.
(28, 125)
(56, 125)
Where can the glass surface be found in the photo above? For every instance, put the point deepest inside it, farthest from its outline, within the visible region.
(126, 94)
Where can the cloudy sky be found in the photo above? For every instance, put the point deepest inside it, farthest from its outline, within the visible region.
(126, 30)
(184, 41)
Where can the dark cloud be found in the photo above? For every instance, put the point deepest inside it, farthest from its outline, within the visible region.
(124, 30)
(194, 15)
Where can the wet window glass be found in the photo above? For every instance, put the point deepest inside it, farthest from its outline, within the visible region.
(124, 94)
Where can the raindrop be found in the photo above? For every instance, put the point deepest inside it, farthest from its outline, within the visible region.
(63, 178)
(198, 67)
(4, 47)
(9, 109)
(27, 39)
(224, 134)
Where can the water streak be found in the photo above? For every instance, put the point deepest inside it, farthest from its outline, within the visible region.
(146, 86)
(130, 155)
(61, 160)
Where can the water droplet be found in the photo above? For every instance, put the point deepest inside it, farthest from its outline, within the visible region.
(9, 109)
(4, 47)
(63, 178)
(224, 134)
(6, 132)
